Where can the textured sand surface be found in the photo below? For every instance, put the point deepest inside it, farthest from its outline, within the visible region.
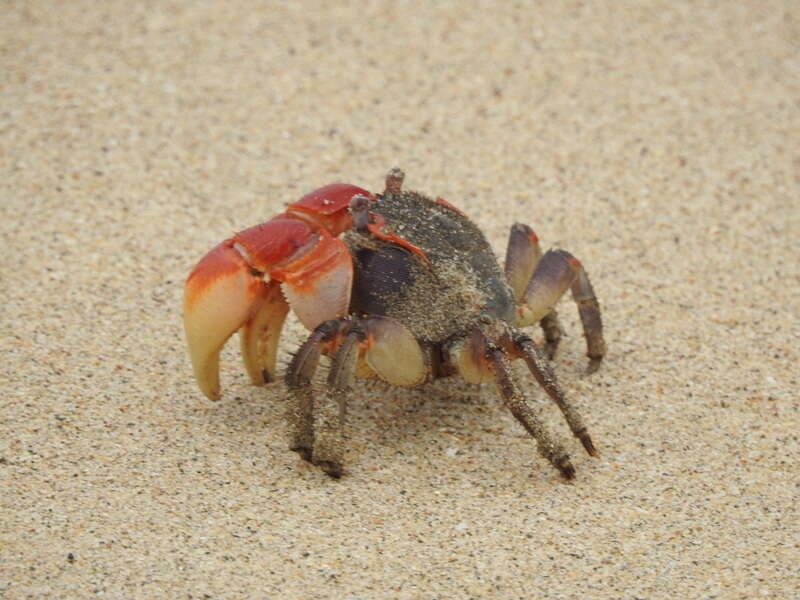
(660, 144)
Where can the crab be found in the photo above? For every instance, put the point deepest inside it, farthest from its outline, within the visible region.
(410, 293)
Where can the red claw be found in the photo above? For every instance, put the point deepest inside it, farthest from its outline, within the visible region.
(237, 285)
(263, 246)
(317, 282)
(327, 206)
(219, 297)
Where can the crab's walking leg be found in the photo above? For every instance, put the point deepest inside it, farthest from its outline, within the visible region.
(522, 411)
(299, 375)
(589, 310)
(387, 348)
(522, 255)
(544, 374)
(330, 409)
(556, 272)
(553, 331)
(390, 350)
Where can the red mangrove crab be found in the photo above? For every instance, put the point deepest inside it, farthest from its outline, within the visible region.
(411, 292)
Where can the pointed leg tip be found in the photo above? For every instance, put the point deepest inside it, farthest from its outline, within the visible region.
(331, 468)
(594, 365)
(303, 452)
(566, 469)
(589, 445)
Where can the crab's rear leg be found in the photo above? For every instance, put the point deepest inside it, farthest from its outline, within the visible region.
(546, 378)
(522, 255)
(555, 272)
(479, 359)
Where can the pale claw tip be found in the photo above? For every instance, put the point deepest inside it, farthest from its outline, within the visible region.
(218, 299)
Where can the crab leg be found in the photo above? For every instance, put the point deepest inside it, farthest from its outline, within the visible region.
(556, 272)
(238, 284)
(589, 310)
(392, 352)
(544, 374)
(477, 358)
(299, 375)
(522, 255)
(331, 408)
(386, 346)
(518, 405)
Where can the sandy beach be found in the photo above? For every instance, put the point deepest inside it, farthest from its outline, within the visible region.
(658, 142)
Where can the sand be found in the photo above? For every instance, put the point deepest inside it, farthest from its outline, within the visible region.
(658, 143)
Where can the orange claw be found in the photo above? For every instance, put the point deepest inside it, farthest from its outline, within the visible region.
(260, 334)
(317, 283)
(297, 253)
(326, 207)
(219, 297)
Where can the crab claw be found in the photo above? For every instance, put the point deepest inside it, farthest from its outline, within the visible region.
(244, 283)
(317, 281)
(222, 295)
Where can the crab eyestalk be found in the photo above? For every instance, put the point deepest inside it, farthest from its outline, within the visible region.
(244, 284)
(394, 181)
(359, 212)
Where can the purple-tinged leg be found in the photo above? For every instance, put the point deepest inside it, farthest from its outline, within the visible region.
(522, 256)
(556, 272)
(544, 374)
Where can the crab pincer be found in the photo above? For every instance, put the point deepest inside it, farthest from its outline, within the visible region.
(244, 284)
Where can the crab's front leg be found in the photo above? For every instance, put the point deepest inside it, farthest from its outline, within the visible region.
(316, 421)
(241, 284)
